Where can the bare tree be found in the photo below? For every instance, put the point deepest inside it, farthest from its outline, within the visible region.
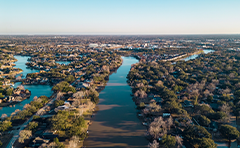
(157, 128)
(139, 85)
(155, 144)
(215, 81)
(90, 106)
(232, 75)
(35, 98)
(169, 122)
(23, 135)
(225, 108)
(79, 94)
(26, 106)
(211, 87)
(154, 108)
(207, 93)
(18, 78)
(140, 94)
(59, 95)
(226, 91)
(238, 85)
(73, 143)
(179, 141)
(4, 116)
(21, 87)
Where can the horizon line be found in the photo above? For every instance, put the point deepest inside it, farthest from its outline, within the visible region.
(114, 34)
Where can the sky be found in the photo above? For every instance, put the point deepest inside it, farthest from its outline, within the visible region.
(119, 17)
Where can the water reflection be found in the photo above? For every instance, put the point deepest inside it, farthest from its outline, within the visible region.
(205, 51)
(116, 123)
(63, 62)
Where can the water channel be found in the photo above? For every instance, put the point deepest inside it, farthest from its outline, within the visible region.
(205, 51)
(116, 123)
(63, 62)
(36, 90)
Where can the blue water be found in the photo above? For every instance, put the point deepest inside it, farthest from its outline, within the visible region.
(63, 62)
(116, 123)
(22, 60)
(36, 90)
(206, 51)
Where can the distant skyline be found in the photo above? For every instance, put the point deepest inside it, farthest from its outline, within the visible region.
(130, 17)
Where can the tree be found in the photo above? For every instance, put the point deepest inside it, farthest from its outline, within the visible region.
(58, 144)
(237, 93)
(193, 132)
(59, 121)
(23, 135)
(225, 108)
(204, 109)
(32, 125)
(1, 95)
(59, 95)
(157, 128)
(206, 143)
(168, 141)
(169, 122)
(70, 78)
(79, 94)
(68, 89)
(4, 116)
(73, 143)
(209, 98)
(216, 115)
(58, 103)
(9, 91)
(5, 125)
(203, 120)
(140, 94)
(179, 141)
(229, 132)
(155, 144)
(60, 86)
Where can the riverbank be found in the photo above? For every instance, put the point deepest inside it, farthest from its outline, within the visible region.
(12, 73)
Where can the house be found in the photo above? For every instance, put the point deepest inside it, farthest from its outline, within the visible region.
(38, 142)
(9, 98)
(82, 85)
(49, 135)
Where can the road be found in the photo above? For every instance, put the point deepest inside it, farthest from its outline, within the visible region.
(38, 113)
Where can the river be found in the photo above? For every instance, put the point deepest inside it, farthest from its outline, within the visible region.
(205, 51)
(36, 90)
(116, 123)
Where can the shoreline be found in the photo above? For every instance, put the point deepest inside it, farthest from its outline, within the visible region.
(13, 73)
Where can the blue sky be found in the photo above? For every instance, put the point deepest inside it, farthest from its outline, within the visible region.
(119, 17)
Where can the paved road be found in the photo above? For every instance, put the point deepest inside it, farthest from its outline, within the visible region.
(39, 112)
